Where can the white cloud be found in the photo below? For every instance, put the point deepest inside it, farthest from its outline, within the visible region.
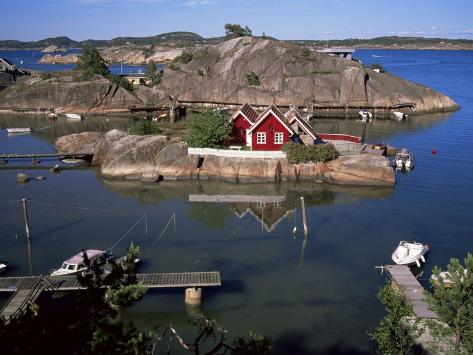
(199, 2)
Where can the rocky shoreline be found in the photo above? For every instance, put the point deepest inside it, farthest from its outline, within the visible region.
(156, 158)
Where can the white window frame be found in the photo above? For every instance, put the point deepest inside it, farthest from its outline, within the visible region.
(278, 135)
(261, 138)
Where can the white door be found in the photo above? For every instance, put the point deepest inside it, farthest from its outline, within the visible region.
(248, 138)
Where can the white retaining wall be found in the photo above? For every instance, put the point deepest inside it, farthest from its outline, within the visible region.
(237, 153)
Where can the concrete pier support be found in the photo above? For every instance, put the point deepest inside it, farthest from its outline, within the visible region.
(193, 296)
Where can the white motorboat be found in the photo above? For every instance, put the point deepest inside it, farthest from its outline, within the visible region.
(19, 130)
(410, 253)
(404, 159)
(74, 116)
(446, 278)
(52, 116)
(400, 116)
(3, 266)
(76, 264)
(365, 115)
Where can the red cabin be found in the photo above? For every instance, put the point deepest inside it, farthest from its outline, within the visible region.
(270, 131)
(242, 121)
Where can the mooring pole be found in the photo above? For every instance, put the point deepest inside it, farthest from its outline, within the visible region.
(25, 215)
(304, 218)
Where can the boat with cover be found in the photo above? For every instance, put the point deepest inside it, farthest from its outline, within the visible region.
(400, 116)
(19, 130)
(365, 115)
(410, 253)
(404, 159)
(76, 264)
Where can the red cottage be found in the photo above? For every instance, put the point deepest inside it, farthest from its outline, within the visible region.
(270, 131)
(242, 121)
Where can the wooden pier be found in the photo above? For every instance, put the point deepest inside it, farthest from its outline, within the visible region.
(403, 280)
(83, 155)
(26, 290)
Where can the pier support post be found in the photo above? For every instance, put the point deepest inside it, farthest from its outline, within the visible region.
(25, 215)
(304, 218)
(193, 296)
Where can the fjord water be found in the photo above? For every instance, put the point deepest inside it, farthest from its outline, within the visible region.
(310, 296)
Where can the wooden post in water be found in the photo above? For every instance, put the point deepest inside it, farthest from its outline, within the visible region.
(25, 215)
(304, 218)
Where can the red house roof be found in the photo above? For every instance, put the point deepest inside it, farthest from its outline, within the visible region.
(275, 111)
(292, 116)
(248, 112)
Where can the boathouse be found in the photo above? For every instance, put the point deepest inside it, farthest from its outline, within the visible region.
(242, 121)
(6, 65)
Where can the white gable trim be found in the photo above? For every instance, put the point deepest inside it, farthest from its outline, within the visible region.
(302, 125)
(244, 116)
(257, 123)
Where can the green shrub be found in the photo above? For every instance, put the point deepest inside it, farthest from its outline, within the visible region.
(236, 30)
(122, 82)
(252, 79)
(45, 75)
(156, 76)
(209, 129)
(184, 58)
(90, 62)
(174, 66)
(298, 153)
(125, 294)
(378, 66)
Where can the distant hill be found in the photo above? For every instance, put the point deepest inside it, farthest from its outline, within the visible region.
(190, 38)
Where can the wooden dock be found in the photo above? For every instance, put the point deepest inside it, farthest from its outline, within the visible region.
(26, 290)
(403, 280)
(85, 155)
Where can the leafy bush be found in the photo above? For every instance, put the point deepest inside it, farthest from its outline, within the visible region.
(45, 75)
(209, 129)
(125, 294)
(122, 82)
(184, 58)
(378, 66)
(298, 153)
(153, 74)
(390, 336)
(252, 79)
(144, 126)
(174, 66)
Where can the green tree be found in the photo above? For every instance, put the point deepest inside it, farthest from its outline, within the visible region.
(390, 336)
(153, 74)
(209, 129)
(235, 30)
(378, 67)
(91, 63)
(252, 79)
(453, 302)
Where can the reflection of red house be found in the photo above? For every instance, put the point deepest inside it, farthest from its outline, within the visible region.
(269, 130)
(242, 121)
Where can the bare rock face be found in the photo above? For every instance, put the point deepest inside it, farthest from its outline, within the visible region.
(103, 146)
(125, 54)
(290, 74)
(77, 143)
(66, 95)
(59, 59)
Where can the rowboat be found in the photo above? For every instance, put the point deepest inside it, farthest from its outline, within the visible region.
(446, 279)
(3, 266)
(74, 116)
(400, 116)
(410, 253)
(19, 130)
(365, 115)
(404, 159)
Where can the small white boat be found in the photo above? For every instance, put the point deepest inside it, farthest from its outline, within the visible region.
(446, 278)
(410, 253)
(52, 116)
(404, 159)
(400, 116)
(3, 266)
(19, 130)
(365, 115)
(74, 116)
(75, 264)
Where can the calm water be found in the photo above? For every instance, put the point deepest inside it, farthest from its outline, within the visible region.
(313, 296)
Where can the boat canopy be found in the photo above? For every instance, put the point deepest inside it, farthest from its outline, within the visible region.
(91, 254)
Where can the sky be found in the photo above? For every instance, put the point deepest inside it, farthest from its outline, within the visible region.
(284, 19)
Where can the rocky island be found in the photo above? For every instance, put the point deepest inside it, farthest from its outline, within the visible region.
(210, 75)
(152, 158)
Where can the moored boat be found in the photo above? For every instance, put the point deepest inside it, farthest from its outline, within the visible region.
(76, 263)
(365, 115)
(410, 253)
(74, 116)
(400, 116)
(3, 266)
(446, 279)
(19, 130)
(404, 159)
